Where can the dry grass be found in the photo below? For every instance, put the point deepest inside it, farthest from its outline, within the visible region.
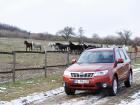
(13, 44)
(22, 88)
(28, 82)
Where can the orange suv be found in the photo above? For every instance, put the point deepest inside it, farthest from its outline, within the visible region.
(101, 68)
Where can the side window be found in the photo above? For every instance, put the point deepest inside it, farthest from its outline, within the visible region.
(126, 55)
(117, 54)
(122, 55)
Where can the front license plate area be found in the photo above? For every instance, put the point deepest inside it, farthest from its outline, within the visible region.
(81, 81)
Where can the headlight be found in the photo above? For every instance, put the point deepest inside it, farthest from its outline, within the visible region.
(67, 73)
(101, 73)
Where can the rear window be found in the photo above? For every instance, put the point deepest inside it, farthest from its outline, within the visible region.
(96, 57)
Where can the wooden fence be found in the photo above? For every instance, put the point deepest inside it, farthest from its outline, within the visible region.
(132, 56)
(14, 69)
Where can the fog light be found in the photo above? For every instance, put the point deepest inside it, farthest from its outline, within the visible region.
(104, 85)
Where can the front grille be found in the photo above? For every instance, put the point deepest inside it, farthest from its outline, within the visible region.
(82, 75)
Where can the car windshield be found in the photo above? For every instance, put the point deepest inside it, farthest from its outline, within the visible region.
(96, 57)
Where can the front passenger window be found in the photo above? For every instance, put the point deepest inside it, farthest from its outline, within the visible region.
(117, 55)
(122, 55)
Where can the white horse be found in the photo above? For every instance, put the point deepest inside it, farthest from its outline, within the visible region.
(52, 45)
(125, 47)
(36, 46)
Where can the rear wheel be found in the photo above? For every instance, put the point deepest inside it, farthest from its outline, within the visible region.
(68, 91)
(114, 88)
(128, 83)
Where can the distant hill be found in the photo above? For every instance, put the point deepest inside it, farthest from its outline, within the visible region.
(11, 28)
(12, 31)
(15, 32)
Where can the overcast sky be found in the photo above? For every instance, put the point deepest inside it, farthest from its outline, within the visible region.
(103, 17)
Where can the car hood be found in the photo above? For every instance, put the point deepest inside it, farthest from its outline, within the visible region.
(89, 67)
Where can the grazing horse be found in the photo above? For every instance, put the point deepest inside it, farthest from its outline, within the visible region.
(75, 48)
(125, 47)
(28, 45)
(61, 47)
(36, 46)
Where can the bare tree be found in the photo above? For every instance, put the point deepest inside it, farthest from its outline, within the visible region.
(81, 32)
(137, 40)
(96, 38)
(66, 33)
(125, 36)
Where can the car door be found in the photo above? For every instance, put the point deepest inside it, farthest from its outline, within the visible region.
(120, 66)
(125, 64)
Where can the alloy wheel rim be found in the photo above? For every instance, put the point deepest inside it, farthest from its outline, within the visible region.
(130, 78)
(115, 87)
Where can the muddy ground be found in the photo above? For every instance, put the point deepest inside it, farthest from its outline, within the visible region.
(94, 98)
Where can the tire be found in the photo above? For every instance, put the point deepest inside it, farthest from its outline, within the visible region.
(128, 83)
(114, 88)
(68, 91)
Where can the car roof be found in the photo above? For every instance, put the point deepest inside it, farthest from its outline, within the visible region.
(101, 49)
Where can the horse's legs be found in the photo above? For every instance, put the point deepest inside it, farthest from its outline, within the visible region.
(40, 49)
(31, 48)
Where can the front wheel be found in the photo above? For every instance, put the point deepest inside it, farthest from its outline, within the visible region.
(68, 91)
(114, 88)
(128, 83)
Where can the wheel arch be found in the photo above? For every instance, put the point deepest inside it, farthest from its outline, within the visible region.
(116, 75)
(131, 70)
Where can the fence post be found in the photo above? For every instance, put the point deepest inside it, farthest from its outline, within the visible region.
(45, 69)
(68, 61)
(14, 65)
(135, 57)
(130, 55)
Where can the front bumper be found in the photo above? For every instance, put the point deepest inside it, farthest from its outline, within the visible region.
(99, 82)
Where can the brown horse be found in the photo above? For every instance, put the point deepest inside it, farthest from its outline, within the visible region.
(28, 45)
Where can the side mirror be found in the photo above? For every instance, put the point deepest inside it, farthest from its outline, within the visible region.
(74, 61)
(120, 60)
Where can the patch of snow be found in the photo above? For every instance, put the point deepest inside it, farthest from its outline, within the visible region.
(2, 91)
(89, 100)
(136, 95)
(135, 101)
(33, 97)
(53, 80)
(101, 102)
(2, 88)
(137, 69)
(75, 102)
(132, 66)
(29, 82)
(137, 64)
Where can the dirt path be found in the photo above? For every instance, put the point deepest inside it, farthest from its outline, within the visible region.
(124, 93)
(83, 98)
